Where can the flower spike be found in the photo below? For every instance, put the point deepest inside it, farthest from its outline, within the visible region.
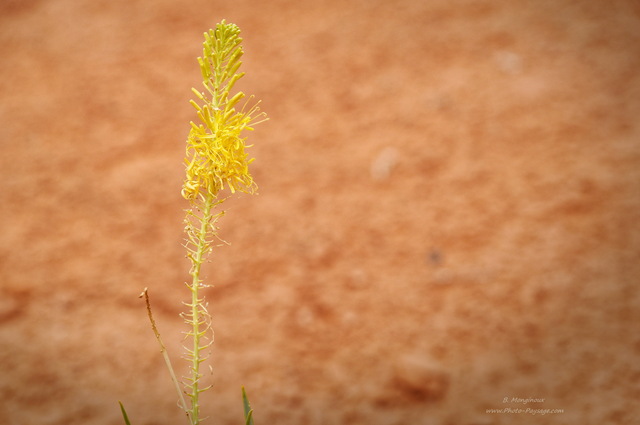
(215, 160)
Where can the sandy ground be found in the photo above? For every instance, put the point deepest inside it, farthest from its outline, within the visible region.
(448, 217)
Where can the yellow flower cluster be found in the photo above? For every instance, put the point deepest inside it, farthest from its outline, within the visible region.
(216, 156)
(215, 160)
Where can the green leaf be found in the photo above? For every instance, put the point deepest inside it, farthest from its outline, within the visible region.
(248, 412)
(249, 420)
(124, 414)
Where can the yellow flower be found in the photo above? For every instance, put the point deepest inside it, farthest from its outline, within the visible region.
(215, 160)
(216, 156)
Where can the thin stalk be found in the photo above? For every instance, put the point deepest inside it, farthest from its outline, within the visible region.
(165, 355)
(198, 317)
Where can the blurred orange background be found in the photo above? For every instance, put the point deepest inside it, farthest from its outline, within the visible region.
(447, 220)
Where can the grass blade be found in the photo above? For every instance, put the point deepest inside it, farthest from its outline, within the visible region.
(248, 412)
(124, 414)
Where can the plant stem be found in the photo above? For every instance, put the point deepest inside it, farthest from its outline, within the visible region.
(199, 315)
(165, 355)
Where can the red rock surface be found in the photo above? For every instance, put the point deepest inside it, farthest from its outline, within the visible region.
(448, 212)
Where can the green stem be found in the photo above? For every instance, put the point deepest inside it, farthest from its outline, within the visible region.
(198, 318)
